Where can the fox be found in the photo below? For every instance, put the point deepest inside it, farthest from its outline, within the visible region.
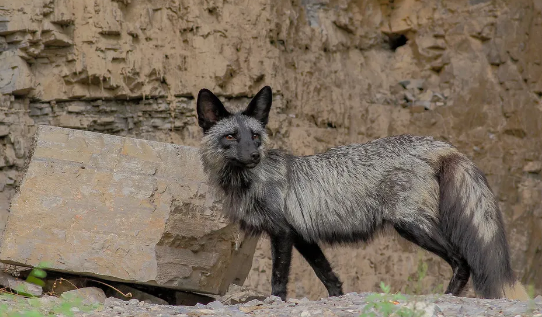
(425, 189)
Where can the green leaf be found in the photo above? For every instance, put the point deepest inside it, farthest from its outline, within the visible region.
(22, 290)
(385, 288)
(38, 273)
(35, 280)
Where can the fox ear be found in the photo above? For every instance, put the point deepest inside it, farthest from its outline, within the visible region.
(210, 109)
(260, 105)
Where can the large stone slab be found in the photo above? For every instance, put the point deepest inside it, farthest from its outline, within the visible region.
(123, 209)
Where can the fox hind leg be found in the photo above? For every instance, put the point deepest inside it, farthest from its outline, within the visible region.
(428, 236)
(461, 274)
(317, 260)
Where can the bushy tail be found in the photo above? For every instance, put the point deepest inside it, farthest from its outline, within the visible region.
(472, 221)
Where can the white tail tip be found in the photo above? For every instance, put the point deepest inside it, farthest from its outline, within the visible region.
(516, 291)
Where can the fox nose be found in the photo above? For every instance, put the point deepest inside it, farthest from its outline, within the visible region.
(255, 157)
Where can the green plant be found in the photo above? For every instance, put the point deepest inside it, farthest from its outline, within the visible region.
(415, 283)
(386, 304)
(531, 304)
(531, 290)
(34, 307)
(17, 305)
(36, 276)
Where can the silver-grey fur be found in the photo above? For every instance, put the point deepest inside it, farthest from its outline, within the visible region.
(429, 192)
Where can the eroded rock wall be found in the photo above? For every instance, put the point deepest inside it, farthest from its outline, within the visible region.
(342, 71)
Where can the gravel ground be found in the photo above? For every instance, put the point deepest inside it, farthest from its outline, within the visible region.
(347, 305)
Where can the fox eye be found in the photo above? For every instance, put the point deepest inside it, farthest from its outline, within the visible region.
(229, 137)
(255, 136)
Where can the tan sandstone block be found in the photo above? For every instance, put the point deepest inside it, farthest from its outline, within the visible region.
(123, 209)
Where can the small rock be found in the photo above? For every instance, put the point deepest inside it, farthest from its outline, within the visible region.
(205, 311)
(249, 309)
(293, 300)
(417, 109)
(20, 286)
(533, 167)
(90, 295)
(437, 65)
(417, 84)
(215, 305)
(253, 302)
(272, 299)
(4, 130)
(19, 146)
(426, 95)
(10, 155)
(76, 108)
(238, 294)
(429, 310)
(436, 97)
(426, 104)
(408, 96)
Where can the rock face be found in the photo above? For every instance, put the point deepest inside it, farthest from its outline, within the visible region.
(123, 209)
(343, 71)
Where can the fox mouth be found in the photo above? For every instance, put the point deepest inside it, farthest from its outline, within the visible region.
(240, 164)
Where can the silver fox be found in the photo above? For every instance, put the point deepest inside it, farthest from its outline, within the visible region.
(425, 189)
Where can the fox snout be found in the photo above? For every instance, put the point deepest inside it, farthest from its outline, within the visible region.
(248, 159)
(243, 150)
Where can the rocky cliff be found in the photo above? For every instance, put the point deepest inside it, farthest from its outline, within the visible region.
(467, 71)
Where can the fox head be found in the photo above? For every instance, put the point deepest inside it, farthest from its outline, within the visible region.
(233, 140)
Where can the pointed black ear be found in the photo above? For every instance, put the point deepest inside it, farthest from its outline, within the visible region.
(260, 105)
(210, 109)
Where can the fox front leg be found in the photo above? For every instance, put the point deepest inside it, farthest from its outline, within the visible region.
(281, 252)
